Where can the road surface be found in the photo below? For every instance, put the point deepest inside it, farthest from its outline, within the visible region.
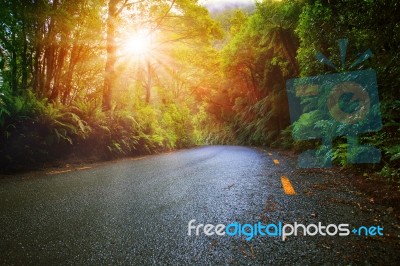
(136, 212)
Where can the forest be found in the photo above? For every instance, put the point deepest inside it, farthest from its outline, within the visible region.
(98, 80)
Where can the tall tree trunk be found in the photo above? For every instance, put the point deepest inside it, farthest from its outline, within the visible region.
(73, 58)
(109, 75)
(49, 61)
(290, 49)
(36, 66)
(14, 65)
(58, 73)
(25, 67)
(37, 50)
(51, 52)
(148, 83)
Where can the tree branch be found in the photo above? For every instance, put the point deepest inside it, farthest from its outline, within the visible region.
(125, 4)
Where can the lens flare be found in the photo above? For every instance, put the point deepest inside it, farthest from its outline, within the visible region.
(138, 44)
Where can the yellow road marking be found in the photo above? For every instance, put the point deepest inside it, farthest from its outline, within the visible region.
(58, 172)
(287, 186)
(276, 161)
(139, 158)
(84, 168)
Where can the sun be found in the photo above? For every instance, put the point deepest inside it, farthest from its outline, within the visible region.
(137, 44)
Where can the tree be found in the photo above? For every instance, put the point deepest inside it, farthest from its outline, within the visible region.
(257, 61)
(44, 41)
(109, 74)
(171, 21)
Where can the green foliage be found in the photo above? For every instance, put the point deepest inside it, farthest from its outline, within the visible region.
(284, 139)
(394, 153)
(203, 91)
(52, 57)
(63, 125)
(257, 61)
(33, 130)
(390, 173)
(36, 127)
(320, 25)
(4, 108)
(209, 131)
(178, 122)
(280, 40)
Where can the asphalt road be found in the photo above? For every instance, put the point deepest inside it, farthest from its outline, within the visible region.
(136, 212)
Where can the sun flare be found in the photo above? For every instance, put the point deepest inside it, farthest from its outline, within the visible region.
(138, 44)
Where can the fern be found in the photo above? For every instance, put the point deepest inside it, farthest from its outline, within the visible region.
(4, 112)
(394, 153)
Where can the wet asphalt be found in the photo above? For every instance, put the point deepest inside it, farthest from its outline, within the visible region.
(136, 212)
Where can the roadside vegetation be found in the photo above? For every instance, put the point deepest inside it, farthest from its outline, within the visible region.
(105, 79)
(279, 41)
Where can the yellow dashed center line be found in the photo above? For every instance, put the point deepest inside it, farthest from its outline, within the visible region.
(83, 168)
(139, 158)
(58, 172)
(287, 186)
